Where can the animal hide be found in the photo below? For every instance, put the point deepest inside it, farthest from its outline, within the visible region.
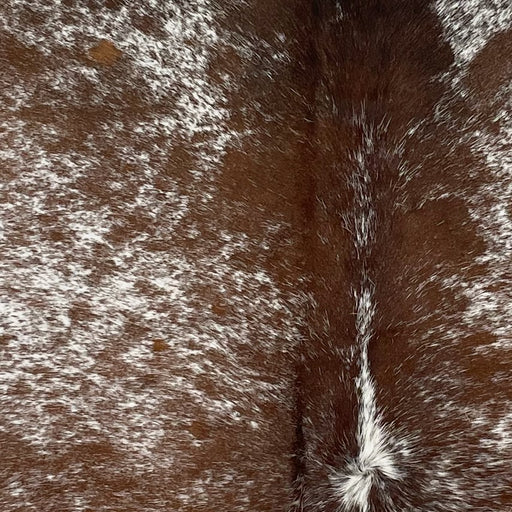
(255, 256)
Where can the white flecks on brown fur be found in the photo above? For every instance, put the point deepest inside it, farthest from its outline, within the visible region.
(256, 256)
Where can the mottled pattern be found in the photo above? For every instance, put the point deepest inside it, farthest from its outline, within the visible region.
(146, 333)
(256, 256)
(406, 402)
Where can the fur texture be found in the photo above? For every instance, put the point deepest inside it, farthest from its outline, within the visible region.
(255, 256)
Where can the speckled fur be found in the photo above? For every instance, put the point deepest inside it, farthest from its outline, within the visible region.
(405, 392)
(255, 256)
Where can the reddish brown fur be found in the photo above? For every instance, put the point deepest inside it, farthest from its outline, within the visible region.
(284, 186)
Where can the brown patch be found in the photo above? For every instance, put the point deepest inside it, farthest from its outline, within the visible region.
(114, 4)
(80, 312)
(26, 58)
(443, 231)
(104, 53)
(93, 451)
(199, 430)
(492, 68)
(207, 385)
(56, 235)
(149, 380)
(219, 308)
(5, 339)
(147, 24)
(159, 345)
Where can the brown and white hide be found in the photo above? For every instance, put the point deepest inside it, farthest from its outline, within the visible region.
(255, 256)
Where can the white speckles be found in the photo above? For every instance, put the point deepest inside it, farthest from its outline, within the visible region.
(121, 309)
(16, 489)
(470, 24)
(88, 227)
(339, 12)
(489, 301)
(503, 432)
(175, 71)
(352, 484)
